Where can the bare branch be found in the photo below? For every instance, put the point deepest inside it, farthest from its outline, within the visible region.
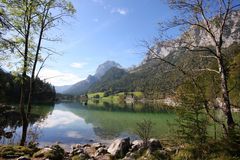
(207, 69)
(50, 50)
(42, 65)
(208, 57)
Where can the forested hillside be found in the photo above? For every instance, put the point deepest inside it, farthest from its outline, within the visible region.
(84, 86)
(156, 78)
(10, 89)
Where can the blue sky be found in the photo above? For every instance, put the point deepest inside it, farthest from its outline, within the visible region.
(103, 30)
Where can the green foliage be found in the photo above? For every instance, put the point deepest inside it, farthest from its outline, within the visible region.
(10, 89)
(91, 95)
(232, 142)
(76, 157)
(156, 79)
(9, 151)
(110, 81)
(213, 150)
(144, 130)
(156, 155)
(54, 153)
(96, 96)
(234, 80)
(192, 121)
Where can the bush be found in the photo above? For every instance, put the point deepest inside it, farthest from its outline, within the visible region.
(96, 96)
(143, 130)
(106, 94)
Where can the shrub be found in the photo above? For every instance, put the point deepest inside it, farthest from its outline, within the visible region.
(143, 130)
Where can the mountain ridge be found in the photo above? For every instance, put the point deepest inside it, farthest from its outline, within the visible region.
(83, 86)
(151, 74)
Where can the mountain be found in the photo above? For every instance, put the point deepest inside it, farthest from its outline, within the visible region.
(197, 37)
(110, 80)
(103, 68)
(83, 86)
(157, 78)
(61, 89)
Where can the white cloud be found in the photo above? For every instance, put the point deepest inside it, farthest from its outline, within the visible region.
(121, 11)
(73, 134)
(59, 118)
(59, 78)
(78, 64)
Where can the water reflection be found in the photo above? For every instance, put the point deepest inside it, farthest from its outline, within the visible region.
(71, 123)
(11, 123)
(59, 118)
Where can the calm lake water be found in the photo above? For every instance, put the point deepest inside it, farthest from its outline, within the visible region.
(71, 123)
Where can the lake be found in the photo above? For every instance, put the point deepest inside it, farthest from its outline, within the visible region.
(74, 122)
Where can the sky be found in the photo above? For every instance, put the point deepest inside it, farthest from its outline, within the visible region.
(103, 30)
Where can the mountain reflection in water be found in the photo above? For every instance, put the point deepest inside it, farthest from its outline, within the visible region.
(71, 123)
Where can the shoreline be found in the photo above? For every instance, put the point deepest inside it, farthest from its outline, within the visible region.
(121, 148)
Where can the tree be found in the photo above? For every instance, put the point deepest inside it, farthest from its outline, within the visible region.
(29, 22)
(47, 18)
(208, 19)
(3, 24)
(192, 120)
(144, 130)
(3, 30)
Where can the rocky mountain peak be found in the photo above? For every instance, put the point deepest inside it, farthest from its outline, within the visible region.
(103, 68)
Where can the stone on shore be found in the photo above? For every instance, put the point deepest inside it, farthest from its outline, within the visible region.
(23, 158)
(136, 145)
(119, 147)
(154, 144)
(55, 152)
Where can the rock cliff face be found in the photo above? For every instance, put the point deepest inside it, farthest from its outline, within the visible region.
(103, 68)
(198, 37)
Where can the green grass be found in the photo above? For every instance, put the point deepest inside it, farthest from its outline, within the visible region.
(101, 94)
(138, 94)
(7, 151)
(91, 95)
(115, 98)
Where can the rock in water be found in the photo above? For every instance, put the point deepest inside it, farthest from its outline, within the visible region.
(119, 147)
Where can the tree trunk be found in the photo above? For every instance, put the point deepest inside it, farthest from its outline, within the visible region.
(224, 90)
(23, 115)
(32, 79)
(29, 104)
(22, 97)
(24, 78)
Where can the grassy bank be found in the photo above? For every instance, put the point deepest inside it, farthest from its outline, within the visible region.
(115, 98)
